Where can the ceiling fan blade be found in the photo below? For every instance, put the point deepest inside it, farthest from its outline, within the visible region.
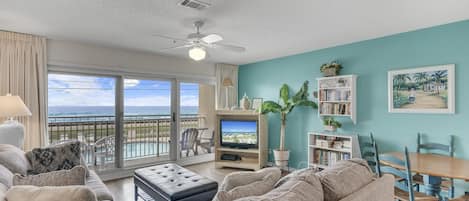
(212, 38)
(233, 48)
(170, 38)
(176, 47)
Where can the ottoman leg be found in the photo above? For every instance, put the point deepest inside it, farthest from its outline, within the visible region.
(136, 192)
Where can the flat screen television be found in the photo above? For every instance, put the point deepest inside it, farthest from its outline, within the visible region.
(241, 134)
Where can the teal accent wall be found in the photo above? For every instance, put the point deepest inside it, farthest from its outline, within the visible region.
(370, 60)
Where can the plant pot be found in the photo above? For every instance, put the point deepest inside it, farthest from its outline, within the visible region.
(328, 72)
(330, 128)
(281, 158)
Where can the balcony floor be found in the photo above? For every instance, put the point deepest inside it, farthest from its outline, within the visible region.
(123, 189)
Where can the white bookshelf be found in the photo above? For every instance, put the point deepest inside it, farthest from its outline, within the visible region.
(337, 96)
(326, 148)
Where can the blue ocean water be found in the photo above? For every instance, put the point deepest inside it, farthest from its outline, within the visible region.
(60, 111)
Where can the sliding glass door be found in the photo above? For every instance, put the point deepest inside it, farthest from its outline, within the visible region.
(132, 121)
(148, 121)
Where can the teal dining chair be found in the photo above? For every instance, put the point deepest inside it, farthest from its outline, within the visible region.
(436, 148)
(369, 153)
(402, 190)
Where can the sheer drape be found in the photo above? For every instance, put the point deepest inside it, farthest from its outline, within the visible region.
(227, 71)
(23, 73)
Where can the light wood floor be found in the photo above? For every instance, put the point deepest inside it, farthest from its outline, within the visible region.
(123, 189)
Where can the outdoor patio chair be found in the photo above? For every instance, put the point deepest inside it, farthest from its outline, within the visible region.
(189, 141)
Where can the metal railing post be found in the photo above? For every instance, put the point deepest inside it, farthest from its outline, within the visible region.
(157, 138)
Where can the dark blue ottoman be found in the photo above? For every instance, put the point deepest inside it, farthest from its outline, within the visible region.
(172, 182)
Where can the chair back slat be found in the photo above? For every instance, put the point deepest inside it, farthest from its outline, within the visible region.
(436, 146)
(448, 149)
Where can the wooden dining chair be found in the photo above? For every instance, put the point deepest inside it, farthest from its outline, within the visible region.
(436, 148)
(402, 190)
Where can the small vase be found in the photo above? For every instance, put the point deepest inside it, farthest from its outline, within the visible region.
(245, 103)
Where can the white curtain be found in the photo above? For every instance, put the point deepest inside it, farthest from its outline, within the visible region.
(227, 71)
(23, 73)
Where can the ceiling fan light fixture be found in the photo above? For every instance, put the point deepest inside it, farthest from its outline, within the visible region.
(197, 53)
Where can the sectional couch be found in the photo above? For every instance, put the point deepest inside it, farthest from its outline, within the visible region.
(350, 180)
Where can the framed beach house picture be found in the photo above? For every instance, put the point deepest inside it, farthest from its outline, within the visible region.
(422, 90)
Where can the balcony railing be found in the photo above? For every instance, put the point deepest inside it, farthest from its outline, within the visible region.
(144, 135)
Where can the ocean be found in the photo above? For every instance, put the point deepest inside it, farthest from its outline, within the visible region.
(61, 111)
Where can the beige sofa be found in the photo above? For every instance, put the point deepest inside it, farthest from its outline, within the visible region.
(11, 156)
(350, 180)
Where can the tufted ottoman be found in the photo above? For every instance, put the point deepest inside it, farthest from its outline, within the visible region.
(172, 182)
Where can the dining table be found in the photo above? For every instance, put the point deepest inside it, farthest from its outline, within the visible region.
(433, 167)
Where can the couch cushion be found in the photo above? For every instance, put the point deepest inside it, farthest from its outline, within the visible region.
(75, 176)
(253, 189)
(94, 182)
(235, 179)
(60, 157)
(14, 159)
(6, 176)
(296, 190)
(50, 193)
(344, 178)
(307, 175)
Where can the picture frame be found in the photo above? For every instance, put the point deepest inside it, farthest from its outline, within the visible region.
(257, 104)
(429, 89)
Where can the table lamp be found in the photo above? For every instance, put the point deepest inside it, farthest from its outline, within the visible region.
(227, 83)
(12, 131)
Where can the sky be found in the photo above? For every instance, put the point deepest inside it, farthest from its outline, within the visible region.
(78, 90)
(239, 126)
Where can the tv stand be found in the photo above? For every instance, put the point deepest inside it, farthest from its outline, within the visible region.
(251, 158)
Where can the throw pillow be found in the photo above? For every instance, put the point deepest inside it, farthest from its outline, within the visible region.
(14, 159)
(60, 157)
(75, 176)
(344, 178)
(50, 193)
(5, 176)
(252, 189)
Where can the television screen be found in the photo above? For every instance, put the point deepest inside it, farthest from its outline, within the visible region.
(238, 133)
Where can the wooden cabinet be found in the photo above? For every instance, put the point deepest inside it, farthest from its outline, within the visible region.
(254, 158)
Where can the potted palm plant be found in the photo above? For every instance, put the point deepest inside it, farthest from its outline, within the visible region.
(283, 107)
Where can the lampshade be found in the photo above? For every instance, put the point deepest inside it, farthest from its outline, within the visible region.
(13, 106)
(197, 53)
(227, 82)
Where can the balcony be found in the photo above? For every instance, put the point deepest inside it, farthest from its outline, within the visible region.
(144, 135)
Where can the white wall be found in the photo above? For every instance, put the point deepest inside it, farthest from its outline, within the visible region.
(66, 54)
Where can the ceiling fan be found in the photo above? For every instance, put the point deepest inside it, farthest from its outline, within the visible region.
(198, 43)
